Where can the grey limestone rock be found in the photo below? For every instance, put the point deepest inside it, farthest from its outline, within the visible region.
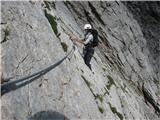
(34, 35)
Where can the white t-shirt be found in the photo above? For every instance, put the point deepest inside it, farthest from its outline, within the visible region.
(88, 38)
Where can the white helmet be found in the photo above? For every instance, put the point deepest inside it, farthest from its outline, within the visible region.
(87, 26)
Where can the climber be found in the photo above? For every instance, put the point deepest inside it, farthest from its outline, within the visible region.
(89, 42)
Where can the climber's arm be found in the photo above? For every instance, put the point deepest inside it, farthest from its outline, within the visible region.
(80, 40)
(75, 39)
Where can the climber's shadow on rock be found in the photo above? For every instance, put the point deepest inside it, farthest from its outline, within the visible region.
(48, 115)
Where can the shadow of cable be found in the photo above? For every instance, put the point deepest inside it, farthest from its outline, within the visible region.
(48, 115)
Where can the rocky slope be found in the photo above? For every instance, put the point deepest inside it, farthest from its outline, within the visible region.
(125, 83)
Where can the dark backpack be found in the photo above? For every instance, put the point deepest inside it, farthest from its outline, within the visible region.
(95, 38)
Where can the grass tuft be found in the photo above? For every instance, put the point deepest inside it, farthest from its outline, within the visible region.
(47, 5)
(100, 97)
(114, 110)
(6, 34)
(64, 46)
(110, 83)
(52, 21)
(101, 109)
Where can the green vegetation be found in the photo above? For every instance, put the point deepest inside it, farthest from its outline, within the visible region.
(114, 110)
(64, 46)
(101, 109)
(100, 97)
(89, 85)
(52, 21)
(87, 82)
(50, 3)
(104, 69)
(47, 5)
(6, 34)
(110, 83)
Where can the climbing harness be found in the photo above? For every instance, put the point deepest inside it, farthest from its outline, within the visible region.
(6, 86)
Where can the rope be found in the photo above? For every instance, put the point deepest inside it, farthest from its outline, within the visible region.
(70, 34)
(39, 73)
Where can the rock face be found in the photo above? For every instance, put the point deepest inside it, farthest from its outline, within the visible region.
(147, 15)
(124, 83)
